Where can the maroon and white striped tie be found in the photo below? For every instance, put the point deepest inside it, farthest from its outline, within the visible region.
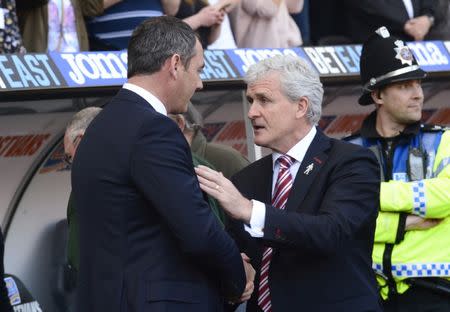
(280, 195)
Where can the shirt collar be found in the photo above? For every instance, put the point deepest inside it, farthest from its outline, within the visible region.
(298, 151)
(148, 96)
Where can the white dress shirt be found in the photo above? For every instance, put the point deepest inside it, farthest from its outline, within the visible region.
(298, 151)
(146, 95)
(409, 8)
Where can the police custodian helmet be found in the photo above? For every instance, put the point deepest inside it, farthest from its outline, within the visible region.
(385, 59)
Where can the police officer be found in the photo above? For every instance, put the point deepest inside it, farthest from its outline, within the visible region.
(411, 254)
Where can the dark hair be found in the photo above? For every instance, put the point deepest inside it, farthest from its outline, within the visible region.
(157, 39)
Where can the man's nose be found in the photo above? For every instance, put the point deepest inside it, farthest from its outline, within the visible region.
(199, 84)
(252, 111)
(418, 91)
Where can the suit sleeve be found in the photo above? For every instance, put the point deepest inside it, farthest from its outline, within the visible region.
(380, 10)
(162, 170)
(429, 7)
(349, 205)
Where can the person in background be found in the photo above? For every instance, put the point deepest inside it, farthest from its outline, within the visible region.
(266, 24)
(5, 305)
(148, 239)
(408, 19)
(327, 24)
(411, 252)
(112, 29)
(75, 130)
(205, 19)
(187, 128)
(441, 29)
(225, 39)
(10, 38)
(308, 228)
(57, 25)
(224, 158)
(302, 21)
(74, 133)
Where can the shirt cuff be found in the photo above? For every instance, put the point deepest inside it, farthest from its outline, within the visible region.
(257, 219)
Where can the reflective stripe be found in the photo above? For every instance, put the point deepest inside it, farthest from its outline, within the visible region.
(115, 34)
(444, 163)
(417, 269)
(419, 200)
(373, 81)
(377, 267)
(130, 14)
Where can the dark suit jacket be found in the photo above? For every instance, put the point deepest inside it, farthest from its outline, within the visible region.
(365, 16)
(148, 240)
(323, 239)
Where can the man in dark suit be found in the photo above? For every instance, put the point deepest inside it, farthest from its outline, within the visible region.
(310, 224)
(408, 20)
(148, 240)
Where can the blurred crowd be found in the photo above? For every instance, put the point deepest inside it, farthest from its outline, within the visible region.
(99, 25)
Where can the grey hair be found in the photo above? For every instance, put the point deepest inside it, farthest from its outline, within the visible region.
(193, 118)
(80, 121)
(157, 39)
(297, 79)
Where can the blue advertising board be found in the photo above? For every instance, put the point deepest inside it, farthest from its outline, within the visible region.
(109, 68)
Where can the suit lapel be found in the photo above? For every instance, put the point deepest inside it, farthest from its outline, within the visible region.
(315, 158)
(263, 183)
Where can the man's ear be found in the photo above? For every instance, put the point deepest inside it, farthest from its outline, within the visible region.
(181, 122)
(376, 96)
(302, 106)
(174, 65)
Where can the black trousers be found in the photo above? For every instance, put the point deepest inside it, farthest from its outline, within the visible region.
(418, 299)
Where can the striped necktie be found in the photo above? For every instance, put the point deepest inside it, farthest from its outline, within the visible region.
(280, 195)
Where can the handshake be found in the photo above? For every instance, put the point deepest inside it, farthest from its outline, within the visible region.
(249, 286)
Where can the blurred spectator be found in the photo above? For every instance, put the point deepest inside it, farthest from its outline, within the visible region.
(205, 19)
(10, 39)
(408, 19)
(186, 128)
(224, 158)
(56, 25)
(326, 21)
(112, 30)
(226, 37)
(441, 29)
(266, 24)
(72, 138)
(4, 299)
(302, 21)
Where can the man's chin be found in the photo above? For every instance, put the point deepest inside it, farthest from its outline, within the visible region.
(260, 142)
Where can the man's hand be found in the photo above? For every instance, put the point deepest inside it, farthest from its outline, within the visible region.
(250, 274)
(219, 187)
(414, 223)
(418, 27)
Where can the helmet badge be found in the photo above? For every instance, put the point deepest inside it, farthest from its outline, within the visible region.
(404, 54)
